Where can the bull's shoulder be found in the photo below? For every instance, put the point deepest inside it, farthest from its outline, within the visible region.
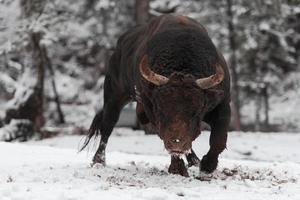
(130, 35)
(189, 21)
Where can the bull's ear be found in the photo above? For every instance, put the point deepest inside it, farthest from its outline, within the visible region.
(213, 98)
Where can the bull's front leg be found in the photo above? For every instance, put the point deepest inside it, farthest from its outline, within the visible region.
(177, 166)
(219, 121)
(192, 159)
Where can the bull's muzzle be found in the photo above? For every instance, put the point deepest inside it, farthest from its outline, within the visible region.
(177, 146)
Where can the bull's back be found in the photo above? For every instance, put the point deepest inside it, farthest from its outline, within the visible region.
(131, 46)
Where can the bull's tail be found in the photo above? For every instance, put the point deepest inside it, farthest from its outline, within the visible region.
(94, 129)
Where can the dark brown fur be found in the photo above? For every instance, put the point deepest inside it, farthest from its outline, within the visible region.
(180, 49)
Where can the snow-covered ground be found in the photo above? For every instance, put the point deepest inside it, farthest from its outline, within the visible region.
(254, 166)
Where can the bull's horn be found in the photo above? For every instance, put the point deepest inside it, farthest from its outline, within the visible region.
(212, 80)
(149, 75)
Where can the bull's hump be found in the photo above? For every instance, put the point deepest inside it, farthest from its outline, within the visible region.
(182, 19)
(164, 22)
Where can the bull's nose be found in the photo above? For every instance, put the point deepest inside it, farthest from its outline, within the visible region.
(177, 145)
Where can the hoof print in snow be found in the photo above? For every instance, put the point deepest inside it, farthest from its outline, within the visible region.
(9, 180)
(205, 176)
(229, 172)
(178, 167)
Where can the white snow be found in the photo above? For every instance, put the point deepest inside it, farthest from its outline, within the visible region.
(254, 166)
(24, 88)
(9, 23)
(7, 82)
(11, 130)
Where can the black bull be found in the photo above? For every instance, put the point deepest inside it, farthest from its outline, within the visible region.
(178, 78)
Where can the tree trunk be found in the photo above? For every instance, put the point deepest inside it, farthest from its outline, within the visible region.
(28, 104)
(233, 66)
(257, 123)
(141, 11)
(61, 118)
(266, 103)
(39, 62)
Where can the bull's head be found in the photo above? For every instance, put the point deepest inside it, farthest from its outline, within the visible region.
(179, 104)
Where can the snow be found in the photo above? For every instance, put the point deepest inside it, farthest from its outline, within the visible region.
(24, 88)
(14, 130)
(9, 23)
(283, 107)
(104, 4)
(137, 169)
(7, 82)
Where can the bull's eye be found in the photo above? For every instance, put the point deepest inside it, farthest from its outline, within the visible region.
(176, 140)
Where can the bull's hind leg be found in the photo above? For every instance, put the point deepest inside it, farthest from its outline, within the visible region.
(105, 120)
(110, 116)
(219, 121)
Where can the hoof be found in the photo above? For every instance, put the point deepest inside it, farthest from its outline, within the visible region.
(208, 164)
(97, 165)
(99, 159)
(177, 167)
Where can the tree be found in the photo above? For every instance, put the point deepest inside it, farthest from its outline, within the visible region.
(141, 11)
(233, 66)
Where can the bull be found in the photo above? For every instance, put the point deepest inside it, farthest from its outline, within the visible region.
(178, 78)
